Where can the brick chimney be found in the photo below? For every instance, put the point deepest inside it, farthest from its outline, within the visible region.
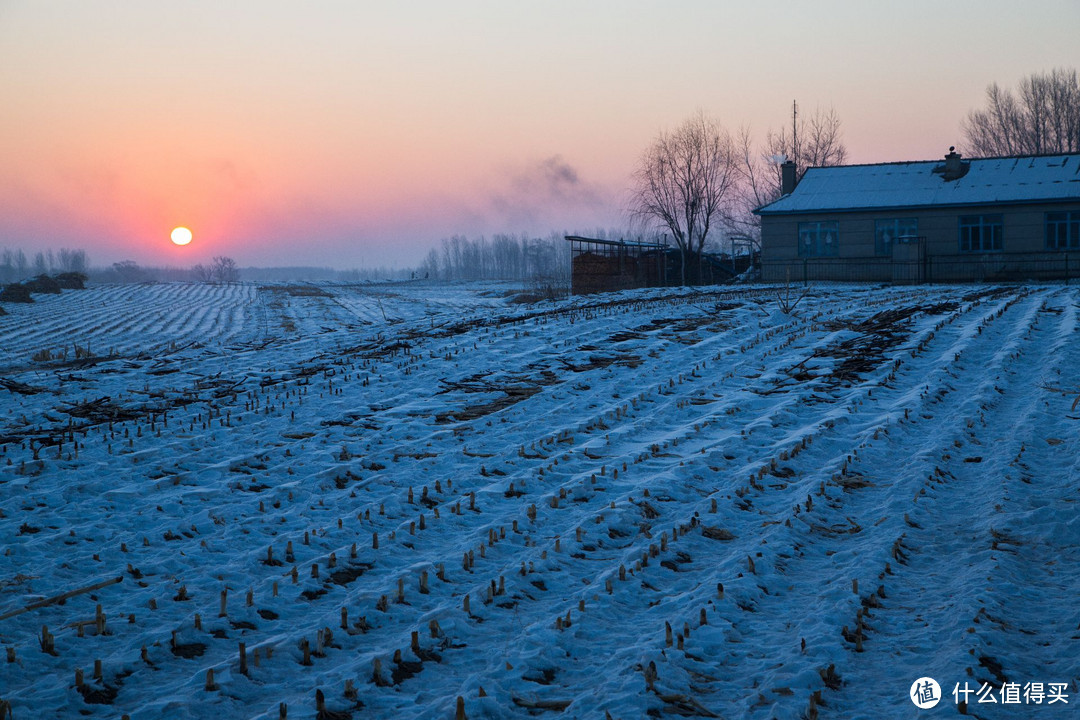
(788, 177)
(954, 167)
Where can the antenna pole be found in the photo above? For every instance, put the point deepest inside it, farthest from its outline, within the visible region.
(794, 132)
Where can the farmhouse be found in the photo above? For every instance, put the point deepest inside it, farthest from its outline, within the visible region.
(993, 219)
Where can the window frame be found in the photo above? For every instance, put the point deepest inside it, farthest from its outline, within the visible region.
(1069, 223)
(882, 249)
(988, 223)
(819, 232)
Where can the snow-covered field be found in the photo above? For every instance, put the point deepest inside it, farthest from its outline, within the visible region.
(655, 503)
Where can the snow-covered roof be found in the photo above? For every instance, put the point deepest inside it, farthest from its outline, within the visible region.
(1045, 178)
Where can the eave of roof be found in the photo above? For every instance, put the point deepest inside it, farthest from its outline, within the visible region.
(876, 208)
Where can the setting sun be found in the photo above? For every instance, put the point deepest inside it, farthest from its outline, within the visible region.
(181, 236)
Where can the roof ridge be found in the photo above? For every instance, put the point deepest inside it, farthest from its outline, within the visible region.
(941, 160)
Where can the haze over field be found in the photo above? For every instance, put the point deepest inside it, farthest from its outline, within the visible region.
(350, 134)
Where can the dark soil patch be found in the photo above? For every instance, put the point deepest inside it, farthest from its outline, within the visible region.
(512, 396)
(404, 670)
(348, 574)
(43, 284)
(673, 564)
(596, 362)
(426, 655)
(342, 481)
(188, 650)
(297, 290)
(71, 280)
(99, 694)
(862, 354)
(16, 294)
(540, 677)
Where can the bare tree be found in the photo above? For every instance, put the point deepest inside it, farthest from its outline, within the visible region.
(73, 260)
(128, 271)
(759, 184)
(813, 141)
(224, 269)
(1043, 117)
(430, 266)
(203, 273)
(7, 266)
(684, 181)
(822, 145)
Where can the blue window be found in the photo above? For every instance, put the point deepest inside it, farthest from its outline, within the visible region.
(818, 239)
(981, 233)
(1062, 230)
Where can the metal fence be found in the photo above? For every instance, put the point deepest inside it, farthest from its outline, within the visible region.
(983, 267)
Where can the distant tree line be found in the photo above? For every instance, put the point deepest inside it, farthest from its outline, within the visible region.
(503, 257)
(15, 267)
(310, 273)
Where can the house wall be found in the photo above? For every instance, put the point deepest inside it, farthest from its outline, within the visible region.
(1023, 232)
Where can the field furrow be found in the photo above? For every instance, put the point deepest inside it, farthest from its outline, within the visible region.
(652, 503)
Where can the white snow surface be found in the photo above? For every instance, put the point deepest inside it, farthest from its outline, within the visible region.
(586, 473)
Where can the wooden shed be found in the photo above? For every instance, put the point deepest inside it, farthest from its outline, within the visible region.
(608, 265)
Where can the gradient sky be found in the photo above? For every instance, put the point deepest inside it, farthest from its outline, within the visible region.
(356, 133)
